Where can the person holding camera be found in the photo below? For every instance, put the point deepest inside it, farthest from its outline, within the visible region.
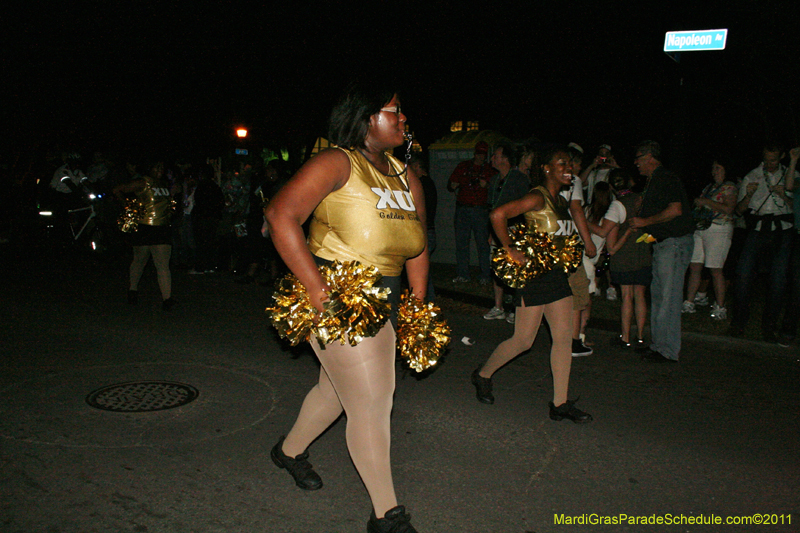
(470, 183)
(713, 215)
(597, 171)
(767, 211)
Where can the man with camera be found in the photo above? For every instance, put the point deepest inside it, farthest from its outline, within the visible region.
(767, 210)
(470, 182)
(597, 171)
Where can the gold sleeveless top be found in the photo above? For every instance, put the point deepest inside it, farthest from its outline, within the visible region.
(156, 203)
(553, 218)
(372, 219)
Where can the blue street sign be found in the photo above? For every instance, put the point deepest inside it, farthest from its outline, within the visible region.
(241, 151)
(687, 41)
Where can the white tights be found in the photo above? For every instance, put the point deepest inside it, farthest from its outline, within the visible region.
(526, 325)
(161, 254)
(359, 379)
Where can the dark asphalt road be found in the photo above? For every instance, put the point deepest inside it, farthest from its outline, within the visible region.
(714, 435)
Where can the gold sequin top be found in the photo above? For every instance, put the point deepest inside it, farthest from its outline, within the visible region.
(156, 203)
(372, 219)
(553, 218)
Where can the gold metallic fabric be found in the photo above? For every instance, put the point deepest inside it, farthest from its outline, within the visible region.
(156, 203)
(356, 308)
(372, 219)
(422, 333)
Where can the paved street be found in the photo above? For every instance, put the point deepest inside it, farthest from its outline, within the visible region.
(715, 434)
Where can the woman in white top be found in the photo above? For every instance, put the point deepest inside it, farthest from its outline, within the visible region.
(602, 215)
(712, 243)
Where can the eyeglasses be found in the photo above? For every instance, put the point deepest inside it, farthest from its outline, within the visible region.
(638, 157)
(393, 109)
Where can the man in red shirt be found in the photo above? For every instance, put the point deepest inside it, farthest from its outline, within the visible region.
(470, 182)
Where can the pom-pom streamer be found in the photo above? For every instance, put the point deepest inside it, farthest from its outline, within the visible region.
(355, 309)
(543, 252)
(129, 219)
(422, 333)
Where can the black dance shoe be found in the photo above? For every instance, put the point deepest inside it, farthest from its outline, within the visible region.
(395, 520)
(299, 467)
(167, 304)
(619, 343)
(133, 297)
(483, 388)
(570, 412)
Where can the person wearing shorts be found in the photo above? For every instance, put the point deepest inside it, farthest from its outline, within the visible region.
(711, 245)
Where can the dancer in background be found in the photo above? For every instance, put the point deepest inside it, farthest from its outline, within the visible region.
(548, 295)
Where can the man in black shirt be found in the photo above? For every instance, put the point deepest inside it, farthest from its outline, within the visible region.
(666, 215)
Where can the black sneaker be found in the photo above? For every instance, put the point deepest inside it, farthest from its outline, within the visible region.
(579, 349)
(395, 520)
(299, 467)
(483, 387)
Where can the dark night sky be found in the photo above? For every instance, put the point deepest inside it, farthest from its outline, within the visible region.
(181, 74)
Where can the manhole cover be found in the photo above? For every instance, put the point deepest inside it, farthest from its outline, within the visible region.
(142, 396)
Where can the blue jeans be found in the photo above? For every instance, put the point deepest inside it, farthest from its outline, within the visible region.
(760, 246)
(671, 258)
(469, 221)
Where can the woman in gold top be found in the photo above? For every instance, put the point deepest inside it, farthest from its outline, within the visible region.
(364, 205)
(153, 236)
(548, 295)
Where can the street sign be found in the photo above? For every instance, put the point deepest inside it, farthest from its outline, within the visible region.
(687, 41)
(241, 151)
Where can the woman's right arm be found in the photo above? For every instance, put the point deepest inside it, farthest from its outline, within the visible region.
(499, 217)
(291, 207)
(135, 186)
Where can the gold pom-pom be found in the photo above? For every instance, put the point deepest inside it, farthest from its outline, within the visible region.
(570, 253)
(422, 332)
(292, 315)
(129, 219)
(356, 308)
(543, 253)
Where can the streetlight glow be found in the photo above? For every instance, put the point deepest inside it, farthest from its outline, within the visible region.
(241, 133)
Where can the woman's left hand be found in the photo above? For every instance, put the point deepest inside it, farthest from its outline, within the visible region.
(517, 256)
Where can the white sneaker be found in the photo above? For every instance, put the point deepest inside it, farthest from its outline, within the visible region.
(688, 307)
(495, 313)
(611, 294)
(701, 299)
(510, 317)
(718, 313)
